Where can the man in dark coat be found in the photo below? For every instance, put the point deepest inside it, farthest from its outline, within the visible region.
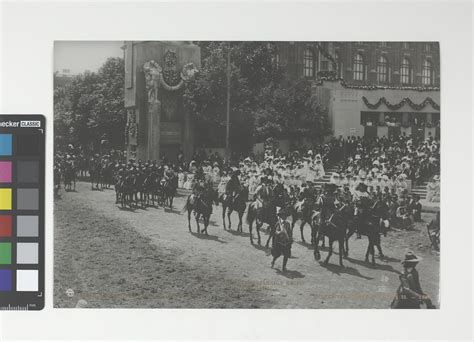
(409, 294)
(232, 187)
(283, 239)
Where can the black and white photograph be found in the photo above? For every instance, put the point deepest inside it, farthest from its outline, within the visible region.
(247, 174)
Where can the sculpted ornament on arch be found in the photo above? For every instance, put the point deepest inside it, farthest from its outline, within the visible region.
(154, 79)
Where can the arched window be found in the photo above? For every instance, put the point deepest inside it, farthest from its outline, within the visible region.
(308, 63)
(382, 70)
(358, 68)
(405, 71)
(426, 73)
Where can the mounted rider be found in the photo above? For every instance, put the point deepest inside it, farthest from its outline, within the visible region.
(233, 186)
(327, 202)
(201, 184)
(362, 203)
(307, 197)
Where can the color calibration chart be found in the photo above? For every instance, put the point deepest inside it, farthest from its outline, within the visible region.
(22, 172)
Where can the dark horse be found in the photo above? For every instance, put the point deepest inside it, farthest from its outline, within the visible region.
(201, 205)
(169, 187)
(125, 189)
(304, 212)
(334, 229)
(69, 177)
(266, 212)
(372, 224)
(235, 203)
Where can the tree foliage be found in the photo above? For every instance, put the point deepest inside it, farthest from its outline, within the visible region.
(90, 105)
(263, 102)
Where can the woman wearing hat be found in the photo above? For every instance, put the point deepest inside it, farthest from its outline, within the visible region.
(409, 294)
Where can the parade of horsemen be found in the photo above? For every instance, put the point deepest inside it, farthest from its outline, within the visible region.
(365, 199)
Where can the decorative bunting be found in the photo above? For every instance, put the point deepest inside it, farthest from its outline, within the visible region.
(399, 105)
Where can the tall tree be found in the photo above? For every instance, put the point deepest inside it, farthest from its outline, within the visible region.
(263, 101)
(91, 105)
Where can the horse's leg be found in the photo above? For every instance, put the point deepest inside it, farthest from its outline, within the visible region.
(239, 227)
(293, 222)
(250, 231)
(372, 251)
(303, 223)
(206, 222)
(223, 214)
(316, 253)
(274, 259)
(348, 236)
(331, 240)
(341, 250)
(313, 233)
(258, 226)
(379, 247)
(368, 251)
(285, 260)
(229, 212)
(270, 236)
(189, 219)
(196, 216)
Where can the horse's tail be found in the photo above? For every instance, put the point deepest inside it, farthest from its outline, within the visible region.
(250, 214)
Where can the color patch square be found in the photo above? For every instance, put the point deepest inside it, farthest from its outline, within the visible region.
(27, 226)
(5, 199)
(26, 280)
(27, 145)
(27, 253)
(5, 253)
(27, 199)
(27, 171)
(5, 171)
(5, 144)
(5, 280)
(5, 226)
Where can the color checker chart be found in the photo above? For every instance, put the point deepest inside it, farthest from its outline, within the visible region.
(22, 172)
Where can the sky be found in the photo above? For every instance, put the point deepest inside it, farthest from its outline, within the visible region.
(79, 56)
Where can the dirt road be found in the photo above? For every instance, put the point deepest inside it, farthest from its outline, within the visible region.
(108, 257)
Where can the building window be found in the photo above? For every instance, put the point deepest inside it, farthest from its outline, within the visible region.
(427, 47)
(324, 65)
(358, 68)
(405, 71)
(382, 70)
(383, 44)
(426, 73)
(405, 45)
(308, 63)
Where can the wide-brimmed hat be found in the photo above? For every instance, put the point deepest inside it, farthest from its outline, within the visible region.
(410, 257)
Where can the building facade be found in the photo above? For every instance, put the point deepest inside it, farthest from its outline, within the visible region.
(371, 88)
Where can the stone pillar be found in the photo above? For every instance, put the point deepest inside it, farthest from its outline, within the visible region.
(153, 150)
